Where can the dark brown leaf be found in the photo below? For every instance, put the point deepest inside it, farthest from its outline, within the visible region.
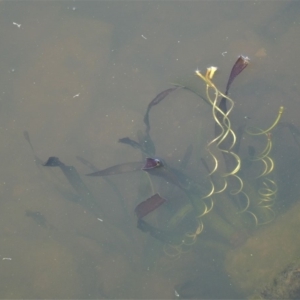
(147, 206)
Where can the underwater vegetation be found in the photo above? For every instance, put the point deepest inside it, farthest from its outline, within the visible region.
(229, 203)
(215, 197)
(237, 195)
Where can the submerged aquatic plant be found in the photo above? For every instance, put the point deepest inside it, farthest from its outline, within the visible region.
(228, 203)
(230, 192)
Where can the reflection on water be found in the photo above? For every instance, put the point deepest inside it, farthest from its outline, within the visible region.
(79, 76)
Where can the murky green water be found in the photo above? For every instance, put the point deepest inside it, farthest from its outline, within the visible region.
(78, 76)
